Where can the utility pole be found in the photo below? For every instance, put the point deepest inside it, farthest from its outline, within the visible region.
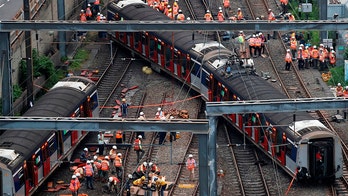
(28, 58)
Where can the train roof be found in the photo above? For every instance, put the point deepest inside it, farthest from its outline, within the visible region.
(138, 10)
(58, 102)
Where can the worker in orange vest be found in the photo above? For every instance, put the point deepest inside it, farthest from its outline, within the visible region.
(180, 16)
(83, 17)
(118, 165)
(175, 8)
(300, 58)
(227, 4)
(119, 137)
(166, 10)
(252, 44)
(208, 16)
(288, 60)
(291, 17)
(74, 186)
(113, 153)
(322, 62)
(141, 170)
(257, 46)
(339, 90)
(112, 184)
(332, 58)
(170, 13)
(105, 167)
(293, 46)
(240, 14)
(315, 57)
(191, 165)
(306, 57)
(162, 6)
(89, 173)
(89, 12)
(96, 6)
(271, 16)
(284, 5)
(154, 168)
(220, 16)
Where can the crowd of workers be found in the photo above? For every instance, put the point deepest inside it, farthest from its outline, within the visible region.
(309, 56)
(109, 170)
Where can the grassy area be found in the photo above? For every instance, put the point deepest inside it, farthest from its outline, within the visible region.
(80, 57)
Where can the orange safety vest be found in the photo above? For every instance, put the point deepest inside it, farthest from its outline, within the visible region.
(98, 18)
(112, 154)
(154, 169)
(88, 12)
(190, 164)
(89, 170)
(315, 53)
(285, 2)
(105, 165)
(141, 169)
(97, 165)
(161, 6)
(332, 58)
(291, 18)
(118, 162)
(180, 17)
(239, 15)
(83, 17)
(226, 3)
(322, 57)
(299, 54)
(220, 16)
(271, 16)
(258, 42)
(208, 17)
(252, 41)
(293, 44)
(119, 135)
(74, 185)
(305, 54)
(115, 180)
(170, 15)
(288, 57)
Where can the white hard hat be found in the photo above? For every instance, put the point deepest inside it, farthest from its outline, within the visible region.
(89, 5)
(82, 10)
(220, 8)
(139, 136)
(190, 155)
(98, 14)
(332, 51)
(78, 174)
(88, 162)
(123, 99)
(238, 9)
(339, 84)
(92, 161)
(346, 87)
(106, 157)
(141, 113)
(114, 147)
(188, 18)
(85, 149)
(269, 10)
(288, 50)
(95, 157)
(159, 109)
(314, 46)
(130, 176)
(111, 179)
(119, 154)
(150, 164)
(208, 11)
(145, 164)
(300, 48)
(254, 35)
(180, 11)
(73, 176)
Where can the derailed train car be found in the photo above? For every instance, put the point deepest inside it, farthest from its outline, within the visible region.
(305, 147)
(28, 157)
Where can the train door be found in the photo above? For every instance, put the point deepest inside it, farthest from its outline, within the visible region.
(45, 159)
(153, 49)
(18, 182)
(29, 176)
(321, 158)
(137, 42)
(75, 134)
(167, 57)
(145, 46)
(37, 166)
(196, 75)
(177, 63)
(130, 39)
(204, 83)
(52, 149)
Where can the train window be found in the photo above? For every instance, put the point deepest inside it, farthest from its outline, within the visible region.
(137, 39)
(18, 178)
(183, 66)
(196, 70)
(205, 78)
(152, 46)
(168, 56)
(144, 39)
(94, 101)
(176, 57)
